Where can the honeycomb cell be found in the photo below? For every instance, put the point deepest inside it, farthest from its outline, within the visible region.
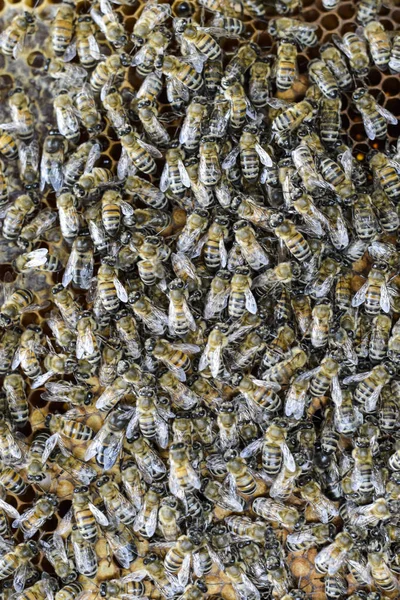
(310, 15)
(346, 10)
(330, 22)
(391, 86)
(374, 76)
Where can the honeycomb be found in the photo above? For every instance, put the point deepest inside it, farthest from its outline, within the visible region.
(30, 73)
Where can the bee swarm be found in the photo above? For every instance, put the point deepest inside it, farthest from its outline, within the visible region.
(199, 336)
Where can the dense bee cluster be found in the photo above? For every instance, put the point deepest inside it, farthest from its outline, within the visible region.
(200, 345)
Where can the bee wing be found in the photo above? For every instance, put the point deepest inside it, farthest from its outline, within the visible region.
(230, 159)
(83, 555)
(134, 576)
(359, 297)
(49, 446)
(84, 343)
(390, 118)
(223, 253)
(369, 126)
(385, 299)
(204, 358)
(123, 164)
(195, 58)
(107, 9)
(9, 509)
(264, 156)
(251, 304)
(184, 174)
(98, 515)
(98, 19)
(36, 258)
(70, 52)
(39, 381)
(162, 431)
(339, 43)
(347, 161)
(288, 457)
(371, 400)
(20, 577)
(94, 47)
(215, 303)
(70, 267)
(121, 291)
(95, 444)
(184, 571)
(337, 395)
(362, 570)
(188, 131)
(252, 449)
(58, 543)
(150, 149)
(164, 180)
(112, 452)
(215, 360)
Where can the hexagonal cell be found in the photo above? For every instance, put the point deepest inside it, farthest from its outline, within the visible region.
(330, 22)
(391, 86)
(346, 10)
(374, 76)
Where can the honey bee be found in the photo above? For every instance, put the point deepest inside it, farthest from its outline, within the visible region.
(382, 573)
(16, 559)
(8, 145)
(379, 44)
(292, 116)
(259, 83)
(55, 552)
(117, 506)
(30, 349)
(374, 293)
(152, 253)
(271, 510)
(297, 245)
(285, 68)
(88, 114)
(183, 479)
(370, 385)
(338, 176)
(24, 206)
(86, 514)
(331, 558)
(14, 387)
(13, 37)
(240, 107)
(374, 116)
(356, 51)
(111, 69)
(66, 304)
(8, 346)
(190, 132)
(86, 46)
(290, 28)
(21, 115)
(152, 16)
(174, 176)
(181, 77)
(79, 268)
(84, 554)
(34, 518)
(67, 121)
(241, 298)
(137, 152)
(107, 21)
(69, 591)
(394, 64)
(367, 11)
(55, 147)
(309, 537)
(311, 492)
(150, 54)
(322, 315)
(386, 175)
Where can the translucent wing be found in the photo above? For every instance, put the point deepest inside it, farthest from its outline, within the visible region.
(369, 126)
(251, 304)
(70, 267)
(390, 118)
(264, 156)
(20, 577)
(337, 395)
(252, 449)
(121, 291)
(288, 457)
(98, 515)
(359, 297)
(164, 181)
(223, 253)
(150, 149)
(372, 399)
(355, 378)
(230, 159)
(184, 174)
(385, 299)
(49, 446)
(37, 258)
(9, 509)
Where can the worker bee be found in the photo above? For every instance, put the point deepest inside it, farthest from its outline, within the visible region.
(8, 346)
(259, 83)
(13, 37)
(132, 482)
(374, 116)
(251, 154)
(152, 16)
(374, 293)
(386, 175)
(180, 318)
(14, 387)
(86, 46)
(84, 554)
(107, 21)
(21, 115)
(34, 518)
(173, 356)
(367, 10)
(16, 560)
(356, 51)
(64, 425)
(309, 537)
(66, 304)
(274, 450)
(28, 353)
(370, 385)
(67, 121)
(150, 417)
(148, 462)
(55, 552)
(181, 77)
(383, 575)
(86, 514)
(379, 44)
(285, 68)
(54, 149)
(117, 506)
(240, 107)
(149, 118)
(24, 206)
(79, 268)
(109, 70)
(8, 145)
(137, 152)
(87, 111)
(107, 443)
(271, 510)
(311, 492)
(195, 226)
(297, 245)
(190, 132)
(174, 176)
(209, 172)
(150, 54)
(290, 28)
(62, 29)
(241, 298)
